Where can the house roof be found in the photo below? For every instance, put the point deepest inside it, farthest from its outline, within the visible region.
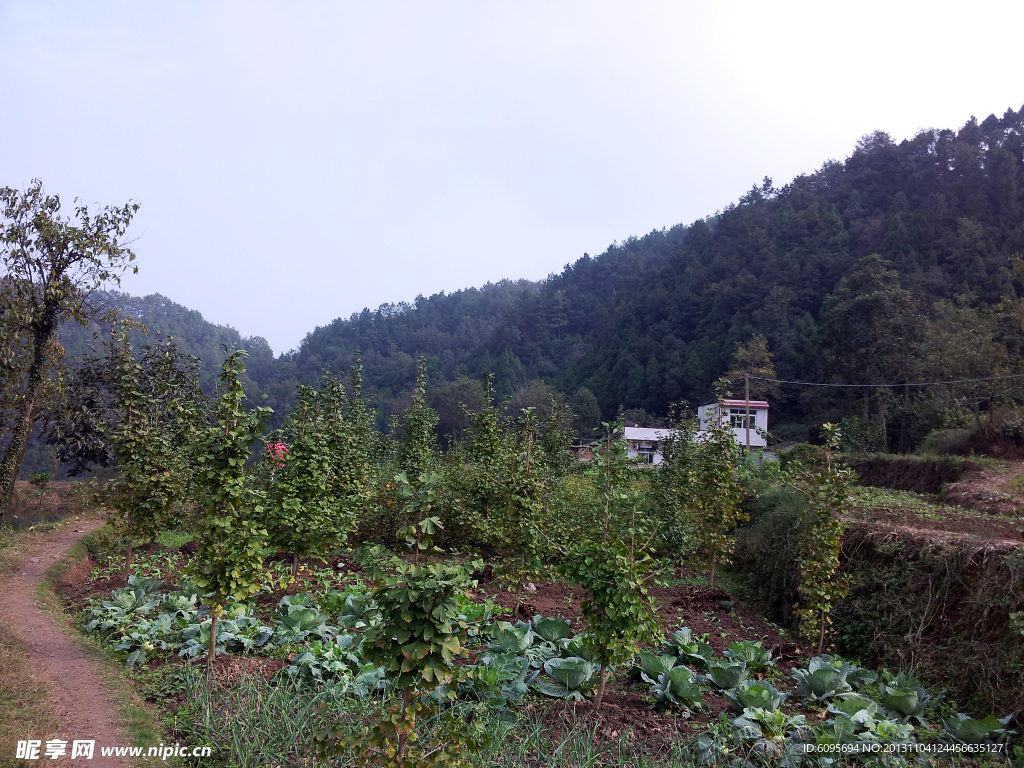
(645, 433)
(735, 403)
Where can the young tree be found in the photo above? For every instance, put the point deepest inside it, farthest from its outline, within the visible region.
(826, 490)
(52, 264)
(753, 361)
(303, 516)
(615, 568)
(586, 412)
(419, 643)
(506, 471)
(670, 485)
(417, 452)
(231, 536)
(714, 491)
(136, 413)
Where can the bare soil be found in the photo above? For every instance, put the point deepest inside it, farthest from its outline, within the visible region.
(79, 698)
(987, 529)
(988, 490)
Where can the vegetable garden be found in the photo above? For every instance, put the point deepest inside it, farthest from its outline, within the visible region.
(327, 594)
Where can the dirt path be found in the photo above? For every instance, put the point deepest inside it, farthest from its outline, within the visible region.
(79, 698)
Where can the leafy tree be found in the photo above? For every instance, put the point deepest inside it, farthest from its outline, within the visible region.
(454, 401)
(231, 536)
(826, 490)
(670, 492)
(303, 514)
(421, 498)
(556, 436)
(135, 413)
(586, 412)
(521, 493)
(714, 491)
(753, 359)
(417, 451)
(615, 568)
(504, 479)
(52, 264)
(418, 643)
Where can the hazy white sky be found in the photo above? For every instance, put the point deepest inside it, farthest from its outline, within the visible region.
(299, 161)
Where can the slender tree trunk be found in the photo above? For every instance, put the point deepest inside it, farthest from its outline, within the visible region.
(128, 538)
(519, 586)
(11, 462)
(711, 576)
(295, 564)
(821, 634)
(403, 736)
(213, 643)
(600, 688)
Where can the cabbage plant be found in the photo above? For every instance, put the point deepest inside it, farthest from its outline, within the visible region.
(359, 612)
(506, 638)
(678, 688)
(652, 666)
(859, 709)
(966, 730)
(181, 604)
(551, 630)
(905, 699)
(772, 725)
(301, 622)
(571, 677)
(329, 663)
(501, 678)
(821, 679)
(726, 676)
(751, 653)
(577, 647)
(756, 695)
(684, 645)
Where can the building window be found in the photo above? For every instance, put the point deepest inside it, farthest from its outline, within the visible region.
(736, 420)
(645, 450)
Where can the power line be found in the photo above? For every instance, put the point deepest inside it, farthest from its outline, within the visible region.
(891, 386)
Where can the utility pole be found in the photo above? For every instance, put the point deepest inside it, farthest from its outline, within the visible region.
(746, 419)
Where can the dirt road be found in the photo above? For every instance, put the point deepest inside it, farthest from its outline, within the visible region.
(80, 700)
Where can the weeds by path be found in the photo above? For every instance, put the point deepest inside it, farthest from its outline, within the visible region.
(24, 707)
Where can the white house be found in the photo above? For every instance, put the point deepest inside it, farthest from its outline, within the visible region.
(644, 442)
(734, 415)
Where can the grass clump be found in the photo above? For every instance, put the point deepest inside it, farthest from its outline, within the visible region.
(25, 711)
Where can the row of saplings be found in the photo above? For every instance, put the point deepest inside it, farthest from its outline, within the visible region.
(305, 496)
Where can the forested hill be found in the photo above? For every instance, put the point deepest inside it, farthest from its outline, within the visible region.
(160, 318)
(655, 319)
(944, 209)
(517, 330)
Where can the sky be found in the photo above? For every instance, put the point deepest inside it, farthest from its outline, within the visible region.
(296, 162)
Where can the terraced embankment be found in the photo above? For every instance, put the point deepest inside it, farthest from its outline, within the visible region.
(931, 586)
